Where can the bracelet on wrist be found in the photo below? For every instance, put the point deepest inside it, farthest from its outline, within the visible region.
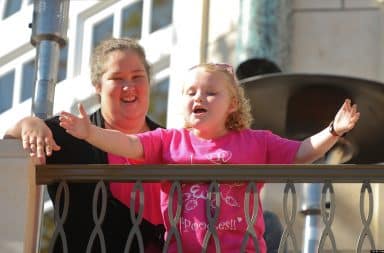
(331, 129)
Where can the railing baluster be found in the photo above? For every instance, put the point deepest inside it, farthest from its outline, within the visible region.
(327, 217)
(100, 189)
(212, 218)
(251, 190)
(136, 218)
(173, 219)
(366, 232)
(60, 219)
(289, 220)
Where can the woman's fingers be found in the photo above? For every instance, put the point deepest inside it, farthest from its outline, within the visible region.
(32, 145)
(40, 147)
(50, 145)
(25, 141)
(39, 142)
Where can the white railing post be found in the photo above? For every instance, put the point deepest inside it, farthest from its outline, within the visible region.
(20, 197)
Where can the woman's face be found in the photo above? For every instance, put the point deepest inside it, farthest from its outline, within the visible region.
(124, 90)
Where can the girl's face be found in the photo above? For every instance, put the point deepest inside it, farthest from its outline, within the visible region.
(207, 102)
(124, 90)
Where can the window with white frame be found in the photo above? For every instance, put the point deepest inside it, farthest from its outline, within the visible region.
(10, 7)
(102, 30)
(27, 78)
(158, 101)
(131, 20)
(147, 20)
(6, 90)
(161, 14)
(18, 77)
(12, 73)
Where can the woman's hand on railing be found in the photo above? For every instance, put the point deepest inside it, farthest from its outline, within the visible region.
(36, 137)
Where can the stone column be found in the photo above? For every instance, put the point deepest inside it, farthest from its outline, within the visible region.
(264, 30)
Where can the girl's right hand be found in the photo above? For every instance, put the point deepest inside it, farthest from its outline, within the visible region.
(78, 126)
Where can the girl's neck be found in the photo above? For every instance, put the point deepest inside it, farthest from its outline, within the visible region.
(209, 135)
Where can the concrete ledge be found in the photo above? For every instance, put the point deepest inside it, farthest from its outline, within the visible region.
(335, 4)
(363, 4)
(315, 4)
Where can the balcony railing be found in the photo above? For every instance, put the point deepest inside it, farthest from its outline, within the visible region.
(289, 175)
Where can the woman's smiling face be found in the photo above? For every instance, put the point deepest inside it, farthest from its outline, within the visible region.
(123, 89)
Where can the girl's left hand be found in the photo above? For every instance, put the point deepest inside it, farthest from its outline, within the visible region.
(78, 126)
(346, 118)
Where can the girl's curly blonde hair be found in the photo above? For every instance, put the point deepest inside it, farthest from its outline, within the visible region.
(240, 118)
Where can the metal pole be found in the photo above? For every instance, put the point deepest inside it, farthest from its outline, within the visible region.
(340, 153)
(49, 28)
(312, 211)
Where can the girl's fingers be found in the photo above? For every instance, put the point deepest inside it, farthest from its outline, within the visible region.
(66, 120)
(344, 107)
(356, 117)
(65, 124)
(82, 111)
(354, 109)
(66, 115)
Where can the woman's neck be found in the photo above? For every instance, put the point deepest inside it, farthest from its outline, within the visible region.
(128, 127)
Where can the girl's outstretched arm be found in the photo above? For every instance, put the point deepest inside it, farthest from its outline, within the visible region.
(110, 141)
(317, 145)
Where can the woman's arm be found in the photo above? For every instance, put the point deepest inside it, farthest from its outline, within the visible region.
(110, 141)
(317, 145)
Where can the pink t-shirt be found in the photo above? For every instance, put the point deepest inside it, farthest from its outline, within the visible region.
(237, 147)
(122, 192)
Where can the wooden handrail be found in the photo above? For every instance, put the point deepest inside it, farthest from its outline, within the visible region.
(344, 173)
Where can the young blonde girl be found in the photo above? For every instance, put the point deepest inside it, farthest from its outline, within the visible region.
(217, 130)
